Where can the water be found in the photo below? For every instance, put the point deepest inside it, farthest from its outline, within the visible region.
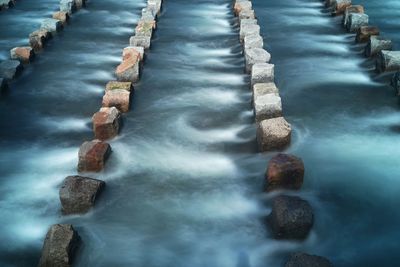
(184, 184)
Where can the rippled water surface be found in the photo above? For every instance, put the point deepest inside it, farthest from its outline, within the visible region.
(184, 184)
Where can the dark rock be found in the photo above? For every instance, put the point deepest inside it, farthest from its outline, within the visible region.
(388, 61)
(106, 123)
(9, 69)
(78, 194)
(290, 218)
(37, 39)
(396, 82)
(59, 246)
(365, 32)
(284, 171)
(306, 260)
(93, 155)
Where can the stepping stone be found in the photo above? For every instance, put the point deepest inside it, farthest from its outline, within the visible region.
(241, 5)
(106, 123)
(306, 260)
(376, 44)
(248, 21)
(267, 106)
(248, 29)
(260, 89)
(273, 134)
(118, 98)
(52, 25)
(388, 61)
(61, 16)
(143, 41)
(113, 85)
(339, 6)
(349, 10)
(356, 21)
(145, 28)
(291, 218)
(253, 41)
(255, 55)
(246, 14)
(59, 246)
(24, 54)
(9, 69)
(262, 73)
(93, 155)
(68, 6)
(365, 32)
(129, 69)
(78, 194)
(38, 38)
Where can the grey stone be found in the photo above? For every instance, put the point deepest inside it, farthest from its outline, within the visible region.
(143, 41)
(248, 29)
(260, 89)
(376, 44)
(52, 25)
(37, 39)
(306, 260)
(253, 41)
(262, 73)
(273, 134)
(248, 21)
(254, 56)
(267, 106)
(241, 5)
(247, 14)
(68, 6)
(9, 69)
(349, 10)
(388, 61)
(357, 20)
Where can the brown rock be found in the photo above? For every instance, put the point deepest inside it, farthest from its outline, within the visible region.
(365, 32)
(339, 7)
(351, 9)
(59, 246)
(106, 123)
(38, 38)
(284, 171)
(24, 54)
(93, 155)
(61, 16)
(113, 85)
(117, 98)
(128, 70)
(78, 194)
(273, 134)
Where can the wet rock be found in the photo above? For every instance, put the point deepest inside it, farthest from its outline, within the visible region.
(24, 54)
(376, 44)
(68, 6)
(129, 69)
(93, 155)
(106, 123)
(365, 32)
(38, 38)
(78, 194)
(254, 56)
(242, 5)
(356, 21)
(306, 260)
(395, 82)
(248, 29)
(253, 41)
(9, 69)
(260, 89)
(246, 14)
(273, 134)
(262, 73)
(145, 28)
(388, 61)
(349, 10)
(114, 85)
(285, 171)
(339, 7)
(61, 16)
(267, 106)
(143, 41)
(59, 246)
(5, 4)
(52, 25)
(291, 218)
(118, 98)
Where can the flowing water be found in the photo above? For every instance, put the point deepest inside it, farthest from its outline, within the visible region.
(184, 182)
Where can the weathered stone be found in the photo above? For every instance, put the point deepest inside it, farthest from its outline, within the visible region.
(118, 98)
(395, 82)
(248, 29)
(365, 32)
(93, 155)
(61, 16)
(267, 106)
(246, 14)
(38, 38)
(133, 51)
(9, 69)
(291, 218)
(78, 194)
(339, 6)
(106, 123)
(52, 25)
(376, 44)
(241, 5)
(24, 54)
(68, 6)
(143, 41)
(59, 246)
(114, 85)
(254, 56)
(349, 10)
(262, 73)
(253, 41)
(273, 134)
(248, 21)
(129, 69)
(284, 171)
(260, 89)
(155, 5)
(145, 28)
(387, 61)
(306, 260)
(356, 21)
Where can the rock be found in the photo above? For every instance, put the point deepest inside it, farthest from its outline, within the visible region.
(267, 106)
(246, 14)
(9, 69)
(155, 5)
(356, 21)
(24, 54)
(5, 4)
(284, 171)
(93, 155)
(306, 260)
(38, 38)
(241, 5)
(59, 246)
(349, 10)
(68, 6)
(129, 69)
(248, 29)
(387, 61)
(149, 13)
(365, 32)
(145, 28)
(117, 98)
(78, 194)
(260, 89)
(79, 4)
(143, 41)
(61, 16)
(376, 44)
(248, 21)
(106, 123)
(52, 25)
(113, 85)
(273, 134)
(254, 56)
(3, 85)
(395, 82)
(253, 41)
(339, 7)
(291, 218)
(262, 73)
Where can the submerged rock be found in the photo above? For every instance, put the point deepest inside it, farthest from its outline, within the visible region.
(356, 21)
(285, 171)
(291, 218)
(59, 246)
(365, 32)
(262, 73)
(9, 69)
(376, 44)
(38, 38)
(254, 56)
(307, 260)
(273, 134)
(106, 123)
(24, 54)
(52, 25)
(93, 155)
(78, 194)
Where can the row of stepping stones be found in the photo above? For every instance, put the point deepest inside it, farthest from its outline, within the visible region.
(291, 217)
(78, 193)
